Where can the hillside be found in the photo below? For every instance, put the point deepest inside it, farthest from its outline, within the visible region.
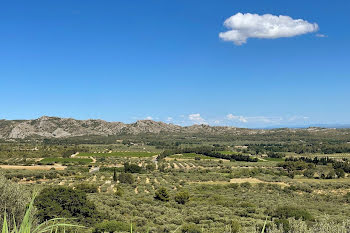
(55, 127)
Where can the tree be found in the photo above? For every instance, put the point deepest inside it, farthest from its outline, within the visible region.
(126, 178)
(131, 168)
(182, 197)
(67, 203)
(115, 175)
(162, 194)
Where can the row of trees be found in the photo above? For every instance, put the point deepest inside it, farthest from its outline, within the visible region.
(208, 151)
(299, 148)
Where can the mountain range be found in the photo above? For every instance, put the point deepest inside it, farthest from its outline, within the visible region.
(56, 127)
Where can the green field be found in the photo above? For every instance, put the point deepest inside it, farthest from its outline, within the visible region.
(65, 160)
(139, 154)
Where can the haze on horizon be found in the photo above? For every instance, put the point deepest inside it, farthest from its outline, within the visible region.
(184, 62)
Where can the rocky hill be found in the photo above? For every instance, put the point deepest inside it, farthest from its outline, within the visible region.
(55, 127)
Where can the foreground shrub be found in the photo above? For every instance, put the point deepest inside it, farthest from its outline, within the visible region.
(27, 225)
(67, 203)
(13, 199)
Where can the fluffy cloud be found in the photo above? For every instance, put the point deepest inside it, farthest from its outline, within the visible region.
(149, 118)
(244, 26)
(196, 118)
(236, 118)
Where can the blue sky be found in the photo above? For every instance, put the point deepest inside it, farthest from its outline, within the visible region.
(130, 60)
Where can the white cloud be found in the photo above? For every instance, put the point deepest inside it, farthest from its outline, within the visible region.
(321, 35)
(244, 26)
(149, 118)
(169, 119)
(196, 118)
(236, 118)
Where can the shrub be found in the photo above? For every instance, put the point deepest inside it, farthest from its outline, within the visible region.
(131, 168)
(13, 199)
(111, 226)
(340, 173)
(235, 226)
(88, 188)
(161, 194)
(182, 197)
(309, 173)
(126, 178)
(190, 228)
(292, 212)
(246, 185)
(67, 203)
(119, 192)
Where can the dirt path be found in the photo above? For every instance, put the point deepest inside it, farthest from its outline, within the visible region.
(74, 155)
(147, 180)
(136, 191)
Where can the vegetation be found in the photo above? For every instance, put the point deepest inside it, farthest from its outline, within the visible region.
(199, 182)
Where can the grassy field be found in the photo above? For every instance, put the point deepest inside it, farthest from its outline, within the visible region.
(139, 154)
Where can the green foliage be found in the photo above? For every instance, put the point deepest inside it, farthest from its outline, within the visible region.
(27, 225)
(115, 178)
(246, 185)
(235, 226)
(309, 173)
(190, 228)
(182, 197)
(13, 200)
(126, 178)
(340, 173)
(67, 203)
(132, 168)
(284, 212)
(162, 194)
(111, 226)
(87, 188)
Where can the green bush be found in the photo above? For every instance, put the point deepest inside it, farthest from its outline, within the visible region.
(182, 197)
(111, 226)
(126, 178)
(67, 203)
(14, 199)
(285, 212)
(88, 188)
(162, 194)
(132, 168)
(190, 228)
